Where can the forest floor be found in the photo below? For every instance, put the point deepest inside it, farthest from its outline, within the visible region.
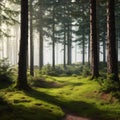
(59, 98)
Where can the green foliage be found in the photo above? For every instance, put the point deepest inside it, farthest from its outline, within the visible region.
(5, 71)
(49, 70)
(67, 71)
(86, 71)
(72, 70)
(9, 10)
(109, 85)
(103, 67)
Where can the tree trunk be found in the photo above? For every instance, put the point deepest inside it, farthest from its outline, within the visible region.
(53, 49)
(41, 48)
(22, 66)
(41, 39)
(64, 61)
(112, 62)
(64, 54)
(83, 46)
(104, 49)
(89, 50)
(93, 40)
(83, 36)
(69, 46)
(53, 39)
(31, 41)
(117, 32)
(69, 36)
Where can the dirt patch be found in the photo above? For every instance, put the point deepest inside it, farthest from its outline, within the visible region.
(105, 96)
(73, 117)
(108, 97)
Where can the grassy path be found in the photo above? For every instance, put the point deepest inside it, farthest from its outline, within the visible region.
(56, 98)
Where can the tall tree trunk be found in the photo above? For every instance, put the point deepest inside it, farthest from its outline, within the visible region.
(40, 48)
(64, 61)
(69, 36)
(117, 31)
(64, 54)
(53, 39)
(83, 36)
(93, 40)
(22, 66)
(69, 46)
(31, 41)
(57, 53)
(104, 49)
(41, 37)
(53, 49)
(89, 50)
(112, 62)
(83, 46)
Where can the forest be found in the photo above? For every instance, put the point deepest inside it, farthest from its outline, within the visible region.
(59, 59)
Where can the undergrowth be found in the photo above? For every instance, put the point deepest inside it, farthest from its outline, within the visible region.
(67, 71)
(6, 73)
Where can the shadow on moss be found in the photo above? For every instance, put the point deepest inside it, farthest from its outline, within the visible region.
(74, 107)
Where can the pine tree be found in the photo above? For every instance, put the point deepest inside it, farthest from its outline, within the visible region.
(112, 62)
(93, 40)
(22, 66)
(31, 40)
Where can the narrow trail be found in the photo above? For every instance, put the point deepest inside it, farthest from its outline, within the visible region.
(73, 117)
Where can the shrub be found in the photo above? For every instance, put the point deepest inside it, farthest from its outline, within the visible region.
(73, 69)
(49, 70)
(67, 71)
(74, 75)
(86, 71)
(110, 85)
(5, 71)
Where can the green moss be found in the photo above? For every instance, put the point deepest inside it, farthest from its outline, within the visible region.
(75, 95)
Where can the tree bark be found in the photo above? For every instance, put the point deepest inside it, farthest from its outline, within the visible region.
(93, 40)
(69, 45)
(22, 66)
(83, 46)
(41, 38)
(89, 51)
(112, 62)
(64, 43)
(104, 49)
(53, 39)
(64, 60)
(41, 48)
(31, 41)
(69, 36)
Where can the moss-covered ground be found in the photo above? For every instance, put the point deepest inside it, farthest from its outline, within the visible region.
(56, 97)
